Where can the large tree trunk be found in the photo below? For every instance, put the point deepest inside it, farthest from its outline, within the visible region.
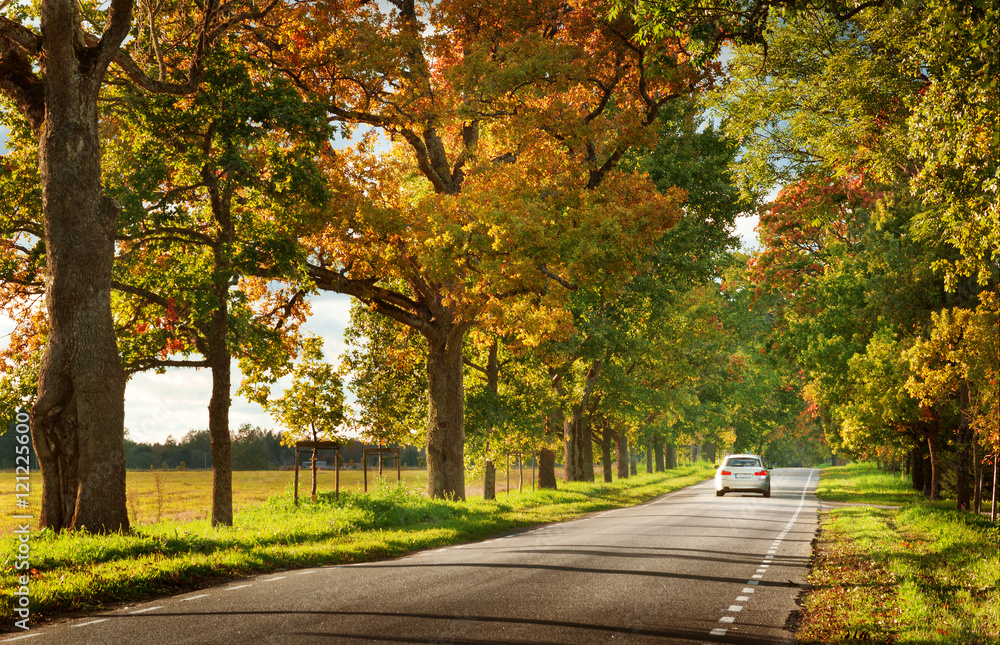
(606, 436)
(670, 458)
(445, 413)
(579, 439)
(658, 454)
(547, 456)
(633, 466)
(963, 454)
(78, 419)
(917, 467)
(649, 457)
(621, 446)
(490, 480)
(935, 461)
(218, 419)
(219, 356)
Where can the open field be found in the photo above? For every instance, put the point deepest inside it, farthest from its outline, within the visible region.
(77, 571)
(186, 495)
(923, 573)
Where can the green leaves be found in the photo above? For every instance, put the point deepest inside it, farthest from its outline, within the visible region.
(312, 407)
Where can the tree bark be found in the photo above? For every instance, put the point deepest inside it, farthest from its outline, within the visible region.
(606, 435)
(78, 419)
(547, 456)
(579, 440)
(218, 418)
(963, 453)
(928, 472)
(670, 458)
(490, 480)
(658, 454)
(218, 354)
(621, 446)
(633, 466)
(445, 412)
(649, 457)
(977, 487)
(917, 467)
(935, 461)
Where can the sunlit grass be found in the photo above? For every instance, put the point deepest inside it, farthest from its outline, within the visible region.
(863, 483)
(921, 574)
(81, 571)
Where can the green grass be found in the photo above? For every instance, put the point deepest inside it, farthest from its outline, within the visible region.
(862, 483)
(924, 573)
(84, 572)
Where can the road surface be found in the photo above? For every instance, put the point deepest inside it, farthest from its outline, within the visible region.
(687, 568)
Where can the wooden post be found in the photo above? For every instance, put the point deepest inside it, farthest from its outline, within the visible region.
(399, 467)
(296, 475)
(507, 456)
(533, 460)
(520, 473)
(336, 465)
(364, 461)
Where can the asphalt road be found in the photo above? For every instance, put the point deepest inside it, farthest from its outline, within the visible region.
(686, 568)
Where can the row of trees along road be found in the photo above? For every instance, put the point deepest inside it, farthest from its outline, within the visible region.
(532, 198)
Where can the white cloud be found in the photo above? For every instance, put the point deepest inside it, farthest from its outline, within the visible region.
(173, 403)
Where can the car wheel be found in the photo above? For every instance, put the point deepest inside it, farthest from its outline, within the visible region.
(720, 493)
(767, 493)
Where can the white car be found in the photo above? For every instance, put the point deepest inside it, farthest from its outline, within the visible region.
(744, 474)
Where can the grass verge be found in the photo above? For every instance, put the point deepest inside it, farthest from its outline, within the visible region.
(923, 573)
(72, 572)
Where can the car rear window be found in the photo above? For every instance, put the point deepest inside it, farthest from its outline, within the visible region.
(743, 463)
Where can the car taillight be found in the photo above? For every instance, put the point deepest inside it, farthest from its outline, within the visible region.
(726, 472)
(762, 473)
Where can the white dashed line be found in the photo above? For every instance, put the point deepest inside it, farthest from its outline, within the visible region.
(17, 638)
(141, 611)
(92, 622)
(302, 573)
(735, 608)
(719, 631)
(727, 619)
(742, 598)
(748, 590)
(236, 587)
(274, 579)
(204, 595)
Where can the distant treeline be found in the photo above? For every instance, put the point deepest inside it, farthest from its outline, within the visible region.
(253, 449)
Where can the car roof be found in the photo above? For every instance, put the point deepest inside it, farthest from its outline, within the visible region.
(743, 455)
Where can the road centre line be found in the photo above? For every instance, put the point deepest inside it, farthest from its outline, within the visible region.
(274, 579)
(236, 587)
(142, 611)
(755, 581)
(302, 573)
(204, 595)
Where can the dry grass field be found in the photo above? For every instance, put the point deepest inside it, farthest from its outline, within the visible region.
(185, 495)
